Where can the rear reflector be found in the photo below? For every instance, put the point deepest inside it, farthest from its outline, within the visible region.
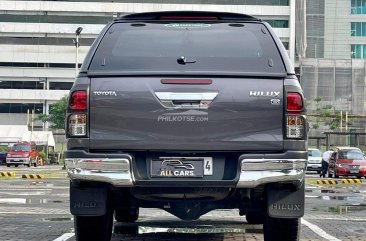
(294, 102)
(78, 100)
(77, 125)
(295, 127)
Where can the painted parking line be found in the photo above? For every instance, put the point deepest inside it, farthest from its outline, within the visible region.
(64, 237)
(319, 231)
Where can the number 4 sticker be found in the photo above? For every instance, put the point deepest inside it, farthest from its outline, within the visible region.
(208, 167)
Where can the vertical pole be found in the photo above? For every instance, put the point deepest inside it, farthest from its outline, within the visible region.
(27, 119)
(341, 122)
(47, 149)
(327, 141)
(32, 125)
(347, 136)
(292, 31)
(77, 55)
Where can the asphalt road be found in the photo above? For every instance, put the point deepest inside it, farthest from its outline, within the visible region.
(38, 210)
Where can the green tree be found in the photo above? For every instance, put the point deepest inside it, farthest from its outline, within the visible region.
(326, 115)
(56, 115)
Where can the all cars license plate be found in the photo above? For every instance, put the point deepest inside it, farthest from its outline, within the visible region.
(181, 167)
(354, 171)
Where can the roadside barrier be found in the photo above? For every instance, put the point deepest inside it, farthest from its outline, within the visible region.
(32, 176)
(327, 182)
(7, 174)
(352, 181)
(344, 181)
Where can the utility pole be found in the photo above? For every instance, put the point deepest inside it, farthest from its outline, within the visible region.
(77, 44)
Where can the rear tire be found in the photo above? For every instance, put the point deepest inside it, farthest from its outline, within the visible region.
(255, 218)
(96, 228)
(126, 215)
(7, 165)
(15, 165)
(281, 229)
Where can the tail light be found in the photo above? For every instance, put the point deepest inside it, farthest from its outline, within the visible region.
(295, 122)
(294, 102)
(77, 125)
(78, 100)
(77, 122)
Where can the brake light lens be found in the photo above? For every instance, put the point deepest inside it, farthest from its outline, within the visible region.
(294, 102)
(188, 18)
(78, 100)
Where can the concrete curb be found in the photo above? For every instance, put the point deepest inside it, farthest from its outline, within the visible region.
(344, 181)
(7, 174)
(327, 182)
(357, 181)
(32, 176)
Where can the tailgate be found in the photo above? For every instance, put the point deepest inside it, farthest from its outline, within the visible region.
(221, 114)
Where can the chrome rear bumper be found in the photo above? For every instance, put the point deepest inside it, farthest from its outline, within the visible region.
(116, 171)
(254, 172)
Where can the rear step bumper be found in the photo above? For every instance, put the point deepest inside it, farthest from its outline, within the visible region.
(255, 172)
(116, 170)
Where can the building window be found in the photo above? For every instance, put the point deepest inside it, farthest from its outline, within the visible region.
(358, 51)
(20, 108)
(358, 6)
(32, 85)
(61, 85)
(277, 23)
(358, 29)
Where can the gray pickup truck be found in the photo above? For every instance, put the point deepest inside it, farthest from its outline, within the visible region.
(187, 112)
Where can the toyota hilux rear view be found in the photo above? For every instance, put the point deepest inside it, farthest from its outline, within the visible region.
(187, 112)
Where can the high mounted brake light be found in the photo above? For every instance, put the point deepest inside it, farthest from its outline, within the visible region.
(78, 100)
(188, 18)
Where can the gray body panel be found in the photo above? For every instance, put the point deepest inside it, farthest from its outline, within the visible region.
(134, 118)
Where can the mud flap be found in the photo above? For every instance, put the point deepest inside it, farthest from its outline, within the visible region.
(286, 203)
(88, 201)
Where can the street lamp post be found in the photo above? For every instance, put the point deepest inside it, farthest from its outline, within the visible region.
(77, 44)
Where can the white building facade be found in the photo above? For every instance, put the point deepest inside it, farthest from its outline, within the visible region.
(37, 58)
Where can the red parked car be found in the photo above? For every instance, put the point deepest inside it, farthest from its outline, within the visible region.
(24, 153)
(347, 162)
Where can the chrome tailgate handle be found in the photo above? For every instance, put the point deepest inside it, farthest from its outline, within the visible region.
(186, 100)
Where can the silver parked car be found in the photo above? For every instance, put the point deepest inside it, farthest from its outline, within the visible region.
(314, 160)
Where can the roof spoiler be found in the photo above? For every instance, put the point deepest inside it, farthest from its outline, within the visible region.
(188, 15)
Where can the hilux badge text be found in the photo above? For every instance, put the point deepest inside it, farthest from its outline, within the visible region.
(254, 93)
